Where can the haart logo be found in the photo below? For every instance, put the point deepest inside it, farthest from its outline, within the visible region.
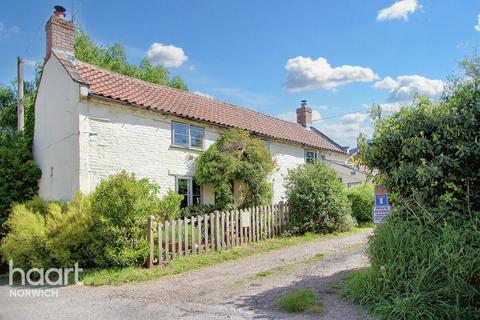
(38, 277)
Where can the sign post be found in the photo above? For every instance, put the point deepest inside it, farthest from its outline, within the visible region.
(382, 208)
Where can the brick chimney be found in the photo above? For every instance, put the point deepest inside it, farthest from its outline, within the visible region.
(60, 33)
(304, 115)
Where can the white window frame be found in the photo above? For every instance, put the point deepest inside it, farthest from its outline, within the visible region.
(189, 136)
(316, 157)
(190, 189)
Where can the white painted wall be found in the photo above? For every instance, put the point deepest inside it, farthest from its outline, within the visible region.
(287, 156)
(55, 145)
(115, 137)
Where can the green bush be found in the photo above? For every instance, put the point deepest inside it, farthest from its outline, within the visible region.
(421, 272)
(120, 207)
(237, 156)
(426, 258)
(317, 200)
(54, 236)
(18, 173)
(362, 200)
(198, 209)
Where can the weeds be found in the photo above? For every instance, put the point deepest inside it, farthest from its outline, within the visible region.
(303, 300)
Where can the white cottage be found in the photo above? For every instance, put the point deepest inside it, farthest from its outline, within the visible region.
(91, 123)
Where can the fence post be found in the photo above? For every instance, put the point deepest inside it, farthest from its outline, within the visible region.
(160, 240)
(217, 229)
(281, 211)
(150, 240)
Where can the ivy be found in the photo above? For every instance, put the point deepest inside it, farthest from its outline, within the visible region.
(237, 156)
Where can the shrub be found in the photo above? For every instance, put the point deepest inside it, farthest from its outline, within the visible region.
(362, 200)
(18, 173)
(25, 243)
(170, 206)
(70, 232)
(120, 207)
(421, 272)
(317, 200)
(426, 258)
(198, 209)
(237, 156)
(50, 237)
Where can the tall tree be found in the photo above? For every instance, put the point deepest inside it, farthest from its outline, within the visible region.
(113, 58)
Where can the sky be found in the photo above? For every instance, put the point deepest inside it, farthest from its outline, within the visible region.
(341, 56)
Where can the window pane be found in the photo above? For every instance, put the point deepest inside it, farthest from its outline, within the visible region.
(197, 198)
(180, 137)
(196, 137)
(182, 188)
(310, 156)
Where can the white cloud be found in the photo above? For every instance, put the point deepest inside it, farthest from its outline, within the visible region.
(398, 10)
(477, 27)
(393, 106)
(345, 134)
(386, 83)
(303, 74)
(356, 117)
(6, 32)
(206, 95)
(291, 116)
(405, 87)
(166, 55)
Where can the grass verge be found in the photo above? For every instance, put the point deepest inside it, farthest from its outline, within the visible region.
(303, 300)
(183, 264)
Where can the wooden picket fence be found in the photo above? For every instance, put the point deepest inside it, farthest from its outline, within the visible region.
(214, 231)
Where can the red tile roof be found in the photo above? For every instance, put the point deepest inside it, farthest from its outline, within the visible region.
(107, 84)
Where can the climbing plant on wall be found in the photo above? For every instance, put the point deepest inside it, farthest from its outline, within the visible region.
(237, 156)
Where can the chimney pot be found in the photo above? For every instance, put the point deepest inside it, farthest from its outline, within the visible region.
(304, 114)
(59, 12)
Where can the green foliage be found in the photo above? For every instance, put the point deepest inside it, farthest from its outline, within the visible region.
(198, 209)
(113, 58)
(317, 200)
(428, 154)
(362, 200)
(426, 258)
(169, 206)
(25, 243)
(303, 300)
(50, 237)
(236, 156)
(18, 172)
(120, 207)
(421, 272)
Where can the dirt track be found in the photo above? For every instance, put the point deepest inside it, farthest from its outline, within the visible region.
(227, 291)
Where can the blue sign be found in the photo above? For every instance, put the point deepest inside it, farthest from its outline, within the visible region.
(381, 199)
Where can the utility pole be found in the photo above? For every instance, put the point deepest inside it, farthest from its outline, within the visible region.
(20, 92)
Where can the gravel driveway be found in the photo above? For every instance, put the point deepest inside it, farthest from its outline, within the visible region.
(226, 291)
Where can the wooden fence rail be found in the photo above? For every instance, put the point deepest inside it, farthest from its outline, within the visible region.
(214, 231)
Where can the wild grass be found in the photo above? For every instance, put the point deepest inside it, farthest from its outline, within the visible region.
(420, 272)
(183, 264)
(303, 300)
